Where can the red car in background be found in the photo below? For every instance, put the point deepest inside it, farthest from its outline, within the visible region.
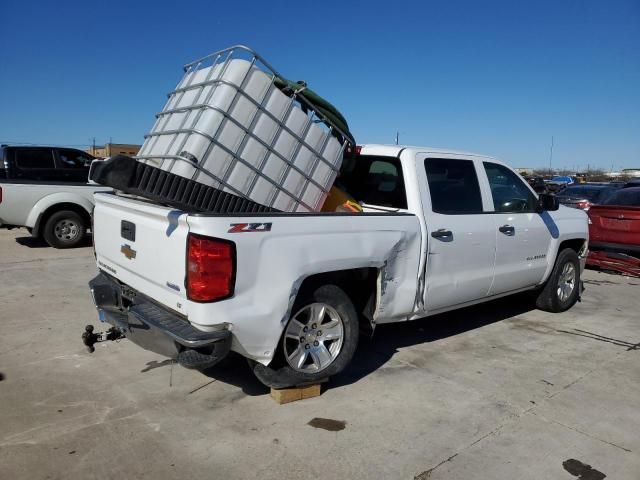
(614, 232)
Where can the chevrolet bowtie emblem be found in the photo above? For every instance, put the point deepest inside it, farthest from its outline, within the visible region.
(127, 251)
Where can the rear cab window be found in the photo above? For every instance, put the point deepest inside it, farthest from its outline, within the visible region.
(374, 181)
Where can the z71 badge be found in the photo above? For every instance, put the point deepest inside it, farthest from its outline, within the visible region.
(249, 227)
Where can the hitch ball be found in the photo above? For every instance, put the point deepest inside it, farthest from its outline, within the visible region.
(89, 338)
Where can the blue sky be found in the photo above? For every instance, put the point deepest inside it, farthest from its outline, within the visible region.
(494, 77)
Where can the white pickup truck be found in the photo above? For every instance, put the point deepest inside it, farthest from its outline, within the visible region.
(440, 230)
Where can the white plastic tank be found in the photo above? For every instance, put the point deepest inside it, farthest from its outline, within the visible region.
(230, 127)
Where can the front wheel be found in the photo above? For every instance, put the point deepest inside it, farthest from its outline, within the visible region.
(562, 289)
(319, 340)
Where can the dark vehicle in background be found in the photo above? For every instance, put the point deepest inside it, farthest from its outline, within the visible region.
(615, 225)
(632, 183)
(583, 196)
(47, 191)
(538, 184)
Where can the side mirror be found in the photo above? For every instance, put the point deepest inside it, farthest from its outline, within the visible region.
(547, 202)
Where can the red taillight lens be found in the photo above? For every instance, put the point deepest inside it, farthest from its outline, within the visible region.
(352, 151)
(211, 268)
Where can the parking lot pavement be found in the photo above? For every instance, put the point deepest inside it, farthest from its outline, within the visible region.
(494, 391)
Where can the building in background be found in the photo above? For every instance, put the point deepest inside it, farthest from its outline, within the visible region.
(112, 149)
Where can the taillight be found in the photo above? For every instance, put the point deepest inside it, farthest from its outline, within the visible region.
(352, 151)
(211, 268)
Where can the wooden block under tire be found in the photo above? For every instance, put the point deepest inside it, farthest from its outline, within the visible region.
(288, 395)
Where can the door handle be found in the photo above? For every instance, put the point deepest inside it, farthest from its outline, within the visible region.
(442, 233)
(508, 230)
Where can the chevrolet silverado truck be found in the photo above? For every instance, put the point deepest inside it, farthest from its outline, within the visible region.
(47, 191)
(291, 292)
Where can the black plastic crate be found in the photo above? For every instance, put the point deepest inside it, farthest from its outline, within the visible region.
(130, 176)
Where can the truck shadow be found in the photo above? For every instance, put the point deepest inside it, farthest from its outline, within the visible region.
(36, 242)
(32, 242)
(375, 352)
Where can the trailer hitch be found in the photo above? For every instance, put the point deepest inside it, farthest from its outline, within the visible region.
(89, 338)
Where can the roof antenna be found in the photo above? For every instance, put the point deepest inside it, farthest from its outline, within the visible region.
(397, 136)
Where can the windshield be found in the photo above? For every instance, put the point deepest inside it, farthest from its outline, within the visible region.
(588, 193)
(627, 196)
(561, 179)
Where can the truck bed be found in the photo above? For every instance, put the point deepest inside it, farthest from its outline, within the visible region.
(275, 252)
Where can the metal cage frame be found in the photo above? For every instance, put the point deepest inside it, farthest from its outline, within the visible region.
(223, 58)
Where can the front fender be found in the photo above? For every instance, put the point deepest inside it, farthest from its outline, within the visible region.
(572, 224)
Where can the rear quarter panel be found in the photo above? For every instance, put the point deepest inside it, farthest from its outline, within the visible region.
(271, 266)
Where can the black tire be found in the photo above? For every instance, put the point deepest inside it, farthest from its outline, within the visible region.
(549, 298)
(64, 229)
(279, 374)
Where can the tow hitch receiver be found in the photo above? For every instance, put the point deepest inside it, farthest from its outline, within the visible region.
(89, 338)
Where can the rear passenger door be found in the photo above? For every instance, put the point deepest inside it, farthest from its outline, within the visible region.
(461, 239)
(523, 235)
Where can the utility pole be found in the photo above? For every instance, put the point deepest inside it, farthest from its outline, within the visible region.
(93, 151)
(551, 155)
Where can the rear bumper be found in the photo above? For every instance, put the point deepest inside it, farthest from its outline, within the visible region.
(156, 328)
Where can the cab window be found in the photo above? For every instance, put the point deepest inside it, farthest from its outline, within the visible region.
(509, 192)
(34, 159)
(74, 159)
(453, 185)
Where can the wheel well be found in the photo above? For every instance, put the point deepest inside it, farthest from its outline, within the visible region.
(74, 207)
(358, 283)
(575, 244)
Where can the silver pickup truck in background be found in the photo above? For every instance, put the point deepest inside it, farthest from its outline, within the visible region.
(46, 190)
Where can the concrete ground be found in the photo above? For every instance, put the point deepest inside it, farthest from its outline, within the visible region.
(498, 391)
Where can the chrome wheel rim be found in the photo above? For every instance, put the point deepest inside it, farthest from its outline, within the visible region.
(566, 282)
(313, 338)
(66, 230)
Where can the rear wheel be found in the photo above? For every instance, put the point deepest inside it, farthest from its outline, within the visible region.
(64, 229)
(319, 340)
(563, 286)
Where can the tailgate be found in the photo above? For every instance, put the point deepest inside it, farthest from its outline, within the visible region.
(144, 246)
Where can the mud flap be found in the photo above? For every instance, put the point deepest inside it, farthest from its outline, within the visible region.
(282, 378)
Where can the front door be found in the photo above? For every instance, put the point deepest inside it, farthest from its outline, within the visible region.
(461, 239)
(523, 235)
